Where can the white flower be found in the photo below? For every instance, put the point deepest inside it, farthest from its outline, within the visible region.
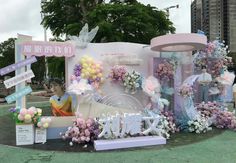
(71, 143)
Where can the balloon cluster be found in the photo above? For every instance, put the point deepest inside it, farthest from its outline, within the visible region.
(88, 69)
(44, 122)
(28, 115)
(77, 72)
(31, 115)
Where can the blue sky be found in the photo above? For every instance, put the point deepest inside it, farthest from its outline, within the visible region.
(18, 16)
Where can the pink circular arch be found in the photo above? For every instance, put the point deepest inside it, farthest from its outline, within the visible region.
(179, 42)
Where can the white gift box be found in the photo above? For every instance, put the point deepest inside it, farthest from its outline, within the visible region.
(24, 134)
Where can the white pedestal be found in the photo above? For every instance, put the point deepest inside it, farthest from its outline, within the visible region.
(128, 142)
(24, 134)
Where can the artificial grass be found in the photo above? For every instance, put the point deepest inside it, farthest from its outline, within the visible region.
(215, 146)
(218, 149)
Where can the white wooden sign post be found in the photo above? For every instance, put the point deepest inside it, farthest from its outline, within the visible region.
(21, 101)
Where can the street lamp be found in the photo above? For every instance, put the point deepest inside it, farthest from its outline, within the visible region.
(167, 9)
(45, 39)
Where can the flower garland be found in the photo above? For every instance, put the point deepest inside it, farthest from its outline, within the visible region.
(132, 82)
(82, 132)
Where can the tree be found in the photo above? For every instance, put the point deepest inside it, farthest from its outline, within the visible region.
(7, 49)
(63, 15)
(130, 23)
(118, 20)
(56, 65)
(124, 1)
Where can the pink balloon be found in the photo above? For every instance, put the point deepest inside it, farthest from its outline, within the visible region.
(23, 111)
(20, 117)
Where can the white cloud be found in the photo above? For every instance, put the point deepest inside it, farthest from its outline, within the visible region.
(20, 17)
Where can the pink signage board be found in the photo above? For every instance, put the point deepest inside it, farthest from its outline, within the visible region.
(41, 48)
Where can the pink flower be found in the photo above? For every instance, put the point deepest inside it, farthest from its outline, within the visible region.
(83, 138)
(87, 133)
(87, 139)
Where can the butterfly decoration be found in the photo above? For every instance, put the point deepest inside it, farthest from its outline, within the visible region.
(84, 37)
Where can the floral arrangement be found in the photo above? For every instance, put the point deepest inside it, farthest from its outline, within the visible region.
(165, 70)
(132, 81)
(186, 91)
(221, 118)
(215, 49)
(225, 119)
(167, 124)
(199, 62)
(82, 132)
(207, 109)
(218, 67)
(31, 115)
(210, 48)
(117, 73)
(88, 69)
(199, 125)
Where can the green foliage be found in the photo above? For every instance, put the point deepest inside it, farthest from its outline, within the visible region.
(39, 69)
(7, 49)
(62, 16)
(123, 1)
(56, 67)
(128, 22)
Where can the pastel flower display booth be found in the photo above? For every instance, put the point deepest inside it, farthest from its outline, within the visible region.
(123, 94)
